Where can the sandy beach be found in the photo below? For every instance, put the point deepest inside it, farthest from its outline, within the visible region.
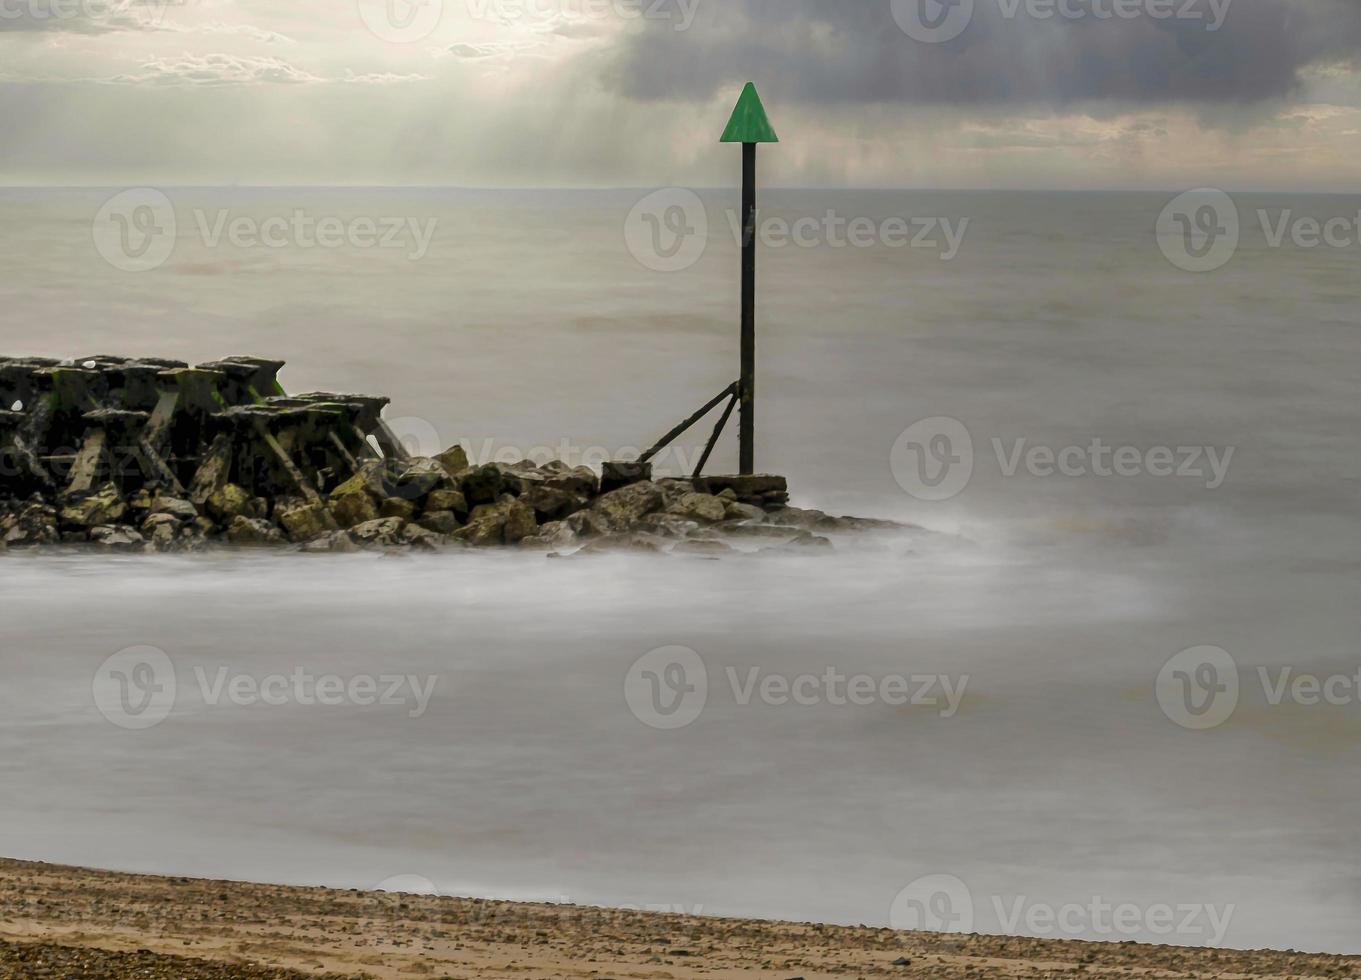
(75, 924)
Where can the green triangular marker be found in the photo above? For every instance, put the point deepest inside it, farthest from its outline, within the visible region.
(749, 123)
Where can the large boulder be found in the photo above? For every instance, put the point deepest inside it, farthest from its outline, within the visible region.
(483, 485)
(253, 531)
(763, 490)
(357, 500)
(35, 524)
(230, 502)
(701, 507)
(117, 537)
(398, 507)
(579, 480)
(334, 543)
(100, 507)
(454, 460)
(443, 522)
(557, 536)
(552, 503)
(617, 475)
(305, 521)
(353, 509)
(451, 501)
(382, 533)
(419, 479)
(162, 531)
(508, 521)
(174, 506)
(622, 510)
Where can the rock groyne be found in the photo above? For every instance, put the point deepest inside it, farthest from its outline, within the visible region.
(147, 454)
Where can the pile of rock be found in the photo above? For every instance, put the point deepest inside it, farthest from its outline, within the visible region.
(166, 458)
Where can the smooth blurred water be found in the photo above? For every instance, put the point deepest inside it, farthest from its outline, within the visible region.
(529, 324)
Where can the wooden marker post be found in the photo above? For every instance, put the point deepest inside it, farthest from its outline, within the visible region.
(749, 126)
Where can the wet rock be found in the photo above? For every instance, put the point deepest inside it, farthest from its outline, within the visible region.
(384, 532)
(420, 478)
(331, 543)
(508, 521)
(552, 503)
(668, 526)
(701, 507)
(618, 475)
(118, 537)
(248, 531)
(398, 507)
(808, 541)
(635, 543)
(175, 507)
(162, 531)
(620, 510)
(762, 531)
(520, 523)
(303, 522)
(354, 509)
(763, 490)
(420, 539)
(100, 507)
(447, 500)
(554, 536)
(483, 485)
(453, 460)
(230, 502)
(735, 511)
(580, 480)
(443, 522)
(702, 548)
(34, 525)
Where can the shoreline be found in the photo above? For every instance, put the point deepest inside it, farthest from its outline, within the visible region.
(65, 922)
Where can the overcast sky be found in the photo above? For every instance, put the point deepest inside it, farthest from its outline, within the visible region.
(979, 93)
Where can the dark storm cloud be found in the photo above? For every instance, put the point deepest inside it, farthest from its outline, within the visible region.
(856, 51)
